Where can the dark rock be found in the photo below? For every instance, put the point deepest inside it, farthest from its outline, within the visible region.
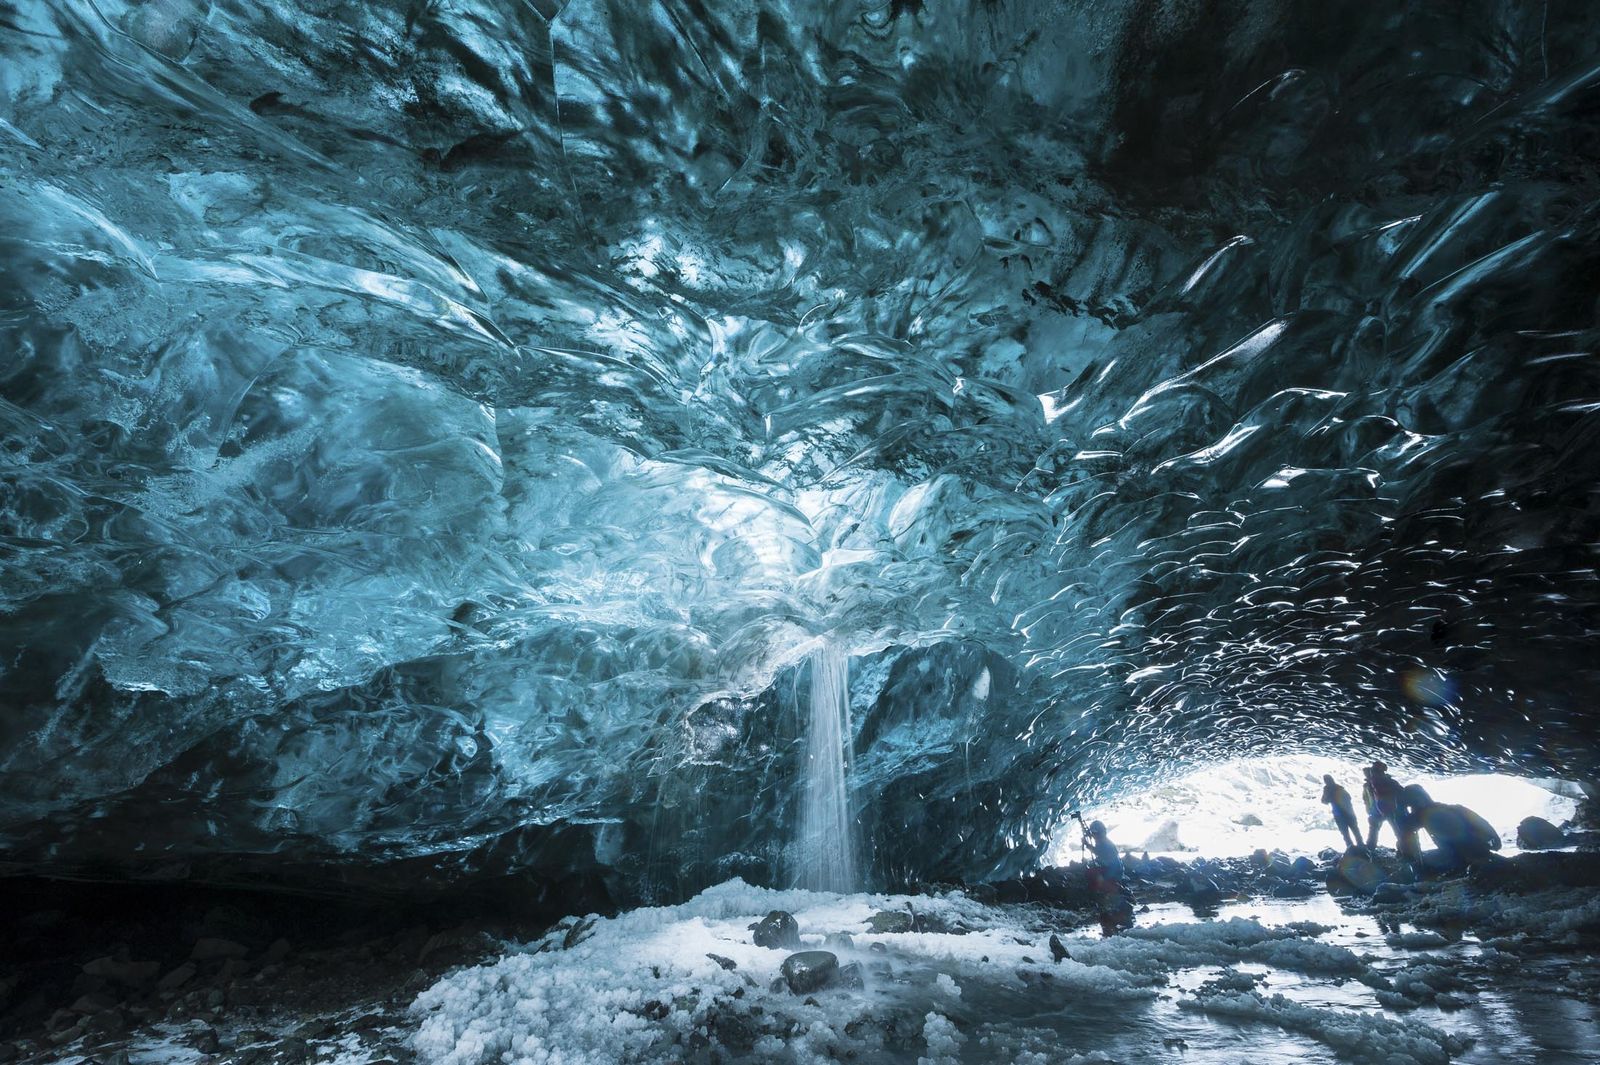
(734, 1029)
(67, 1035)
(206, 1041)
(1537, 834)
(129, 973)
(109, 1022)
(878, 948)
(1010, 891)
(276, 953)
(839, 941)
(316, 1028)
(231, 970)
(727, 963)
(1059, 886)
(1248, 821)
(1293, 891)
(578, 932)
(84, 984)
(231, 922)
(851, 976)
(810, 970)
(93, 1003)
(210, 949)
(1390, 893)
(1057, 951)
(886, 921)
(1360, 875)
(777, 930)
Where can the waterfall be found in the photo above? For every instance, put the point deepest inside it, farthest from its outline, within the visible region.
(826, 853)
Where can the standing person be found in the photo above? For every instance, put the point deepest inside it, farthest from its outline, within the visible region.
(1105, 880)
(1382, 795)
(1369, 803)
(1344, 813)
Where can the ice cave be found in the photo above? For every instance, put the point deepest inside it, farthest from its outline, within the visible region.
(619, 532)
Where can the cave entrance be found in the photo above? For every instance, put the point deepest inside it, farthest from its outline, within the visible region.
(1232, 808)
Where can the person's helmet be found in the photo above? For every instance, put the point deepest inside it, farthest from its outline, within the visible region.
(1327, 778)
(1379, 767)
(1097, 828)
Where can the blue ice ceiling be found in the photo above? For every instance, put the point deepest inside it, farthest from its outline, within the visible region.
(438, 433)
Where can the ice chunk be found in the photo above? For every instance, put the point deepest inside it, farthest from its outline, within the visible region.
(1358, 1037)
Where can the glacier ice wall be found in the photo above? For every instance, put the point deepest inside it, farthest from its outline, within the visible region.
(436, 432)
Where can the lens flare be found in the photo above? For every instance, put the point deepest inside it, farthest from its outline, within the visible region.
(1430, 687)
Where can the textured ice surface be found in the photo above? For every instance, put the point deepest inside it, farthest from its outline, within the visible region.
(436, 431)
(642, 988)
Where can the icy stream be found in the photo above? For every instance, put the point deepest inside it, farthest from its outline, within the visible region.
(1273, 981)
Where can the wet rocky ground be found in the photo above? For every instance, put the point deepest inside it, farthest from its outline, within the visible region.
(213, 977)
(188, 976)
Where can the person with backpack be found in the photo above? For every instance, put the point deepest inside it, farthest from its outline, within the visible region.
(1381, 794)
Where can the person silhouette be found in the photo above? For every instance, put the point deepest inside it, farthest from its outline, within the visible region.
(1344, 812)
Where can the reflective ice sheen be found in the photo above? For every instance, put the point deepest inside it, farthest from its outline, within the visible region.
(434, 432)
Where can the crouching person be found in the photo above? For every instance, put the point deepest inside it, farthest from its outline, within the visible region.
(1462, 836)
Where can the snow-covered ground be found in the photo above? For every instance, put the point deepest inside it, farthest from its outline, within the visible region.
(1279, 982)
(1199, 815)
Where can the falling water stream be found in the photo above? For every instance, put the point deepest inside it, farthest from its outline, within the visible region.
(826, 857)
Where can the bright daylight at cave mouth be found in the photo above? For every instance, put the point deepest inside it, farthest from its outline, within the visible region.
(905, 532)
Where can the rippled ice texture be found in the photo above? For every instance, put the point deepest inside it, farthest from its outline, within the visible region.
(435, 429)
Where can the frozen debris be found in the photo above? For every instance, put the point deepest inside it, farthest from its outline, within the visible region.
(944, 1041)
(653, 985)
(645, 984)
(1415, 940)
(1173, 946)
(1425, 982)
(1359, 1037)
(1545, 915)
(1230, 979)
